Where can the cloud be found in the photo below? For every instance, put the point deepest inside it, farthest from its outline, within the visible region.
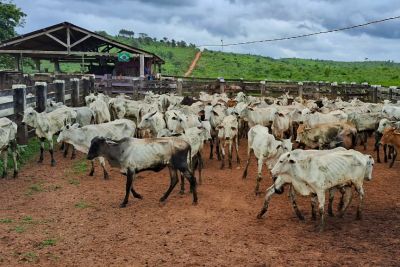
(209, 21)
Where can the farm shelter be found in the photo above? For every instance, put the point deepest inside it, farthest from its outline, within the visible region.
(68, 43)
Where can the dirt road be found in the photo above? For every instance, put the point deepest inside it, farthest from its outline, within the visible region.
(61, 216)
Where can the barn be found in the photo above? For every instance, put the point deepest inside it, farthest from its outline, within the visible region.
(68, 43)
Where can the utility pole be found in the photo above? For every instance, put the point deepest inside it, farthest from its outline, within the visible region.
(222, 45)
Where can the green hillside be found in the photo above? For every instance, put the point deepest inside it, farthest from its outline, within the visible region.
(178, 55)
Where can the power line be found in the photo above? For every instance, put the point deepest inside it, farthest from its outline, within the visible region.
(308, 34)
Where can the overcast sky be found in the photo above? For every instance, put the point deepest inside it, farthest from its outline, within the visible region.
(209, 21)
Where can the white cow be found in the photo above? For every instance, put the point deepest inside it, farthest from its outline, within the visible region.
(266, 149)
(8, 134)
(154, 122)
(314, 174)
(227, 134)
(100, 109)
(47, 125)
(261, 116)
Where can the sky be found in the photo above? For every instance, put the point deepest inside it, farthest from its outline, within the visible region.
(210, 21)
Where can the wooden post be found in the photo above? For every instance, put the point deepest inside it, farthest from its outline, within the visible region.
(262, 88)
(57, 66)
(334, 87)
(75, 92)
(391, 92)
(60, 90)
(141, 60)
(221, 85)
(242, 85)
(85, 86)
(375, 93)
(179, 85)
(41, 96)
(19, 108)
(300, 89)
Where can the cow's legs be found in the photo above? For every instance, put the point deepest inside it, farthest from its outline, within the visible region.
(332, 192)
(394, 156)
(103, 165)
(182, 191)
(65, 147)
(51, 144)
(247, 163)
(199, 166)
(259, 174)
(347, 195)
(365, 140)
(222, 148)
(360, 191)
(230, 154)
(321, 207)
(41, 149)
(268, 195)
(217, 148)
(385, 153)
(237, 150)
(73, 155)
(211, 148)
(92, 168)
(292, 197)
(129, 181)
(192, 180)
(173, 182)
(314, 201)
(4, 155)
(14, 149)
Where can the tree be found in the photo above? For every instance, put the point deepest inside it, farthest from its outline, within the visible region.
(10, 17)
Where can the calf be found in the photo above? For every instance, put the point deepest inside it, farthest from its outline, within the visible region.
(266, 149)
(391, 136)
(281, 126)
(80, 138)
(314, 174)
(136, 155)
(8, 132)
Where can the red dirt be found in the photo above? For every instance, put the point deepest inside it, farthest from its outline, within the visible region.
(193, 64)
(222, 230)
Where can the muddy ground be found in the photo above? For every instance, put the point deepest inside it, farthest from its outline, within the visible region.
(59, 216)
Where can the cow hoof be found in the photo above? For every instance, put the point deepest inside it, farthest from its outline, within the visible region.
(259, 216)
(73, 157)
(53, 163)
(122, 205)
(194, 203)
(139, 196)
(106, 176)
(301, 217)
(91, 173)
(15, 174)
(40, 161)
(181, 192)
(162, 200)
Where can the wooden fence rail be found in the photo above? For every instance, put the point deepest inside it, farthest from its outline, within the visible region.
(190, 86)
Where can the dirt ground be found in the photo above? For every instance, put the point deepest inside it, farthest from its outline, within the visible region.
(61, 217)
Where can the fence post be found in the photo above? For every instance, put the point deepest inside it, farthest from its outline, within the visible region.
(19, 108)
(334, 87)
(60, 90)
(391, 92)
(300, 89)
(262, 88)
(221, 85)
(375, 93)
(75, 92)
(41, 96)
(85, 85)
(179, 86)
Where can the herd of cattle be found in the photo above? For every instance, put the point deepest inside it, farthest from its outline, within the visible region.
(169, 130)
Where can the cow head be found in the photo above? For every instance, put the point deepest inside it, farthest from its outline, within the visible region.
(30, 117)
(96, 147)
(147, 121)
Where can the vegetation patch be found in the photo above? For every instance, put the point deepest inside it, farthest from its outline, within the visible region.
(74, 181)
(6, 220)
(82, 205)
(19, 229)
(30, 257)
(48, 243)
(80, 167)
(34, 188)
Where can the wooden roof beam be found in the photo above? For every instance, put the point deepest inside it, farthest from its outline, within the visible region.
(56, 39)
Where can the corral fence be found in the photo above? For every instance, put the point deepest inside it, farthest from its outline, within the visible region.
(193, 86)
(71, 90)
(14, 101)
